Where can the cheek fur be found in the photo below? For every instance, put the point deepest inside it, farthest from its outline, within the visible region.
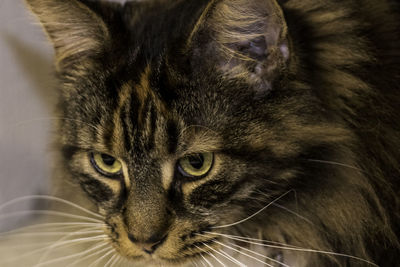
(298, 100)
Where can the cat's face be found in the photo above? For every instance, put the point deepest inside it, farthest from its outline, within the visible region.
(162, 172)
(176, 117)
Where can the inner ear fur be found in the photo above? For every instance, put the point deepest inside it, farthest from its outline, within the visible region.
(74, 29)
(243, 39)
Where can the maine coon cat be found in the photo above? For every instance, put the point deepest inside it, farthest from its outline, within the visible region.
(225, 132)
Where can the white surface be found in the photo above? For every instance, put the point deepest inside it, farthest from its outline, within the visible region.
(25, 83)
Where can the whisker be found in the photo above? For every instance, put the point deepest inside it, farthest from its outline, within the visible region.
(117, 260)
(204, 258)
(225, 255)
(64, 258)
(56, 233)
(41, 241)
(65, 243)
(304, 250)
(110, 260)
(243, 253)
(102, 257)
(232, 258)
(35, 244)
(252, 239)
(46, 197)
(294, 213)
(60, 225)
(337, 164)
(193, 262)
(259, 254)
(64, 238)
(202, 262)
(254, 214)
(48, 212)
(212, 255)
(92, 254)
(283, 207)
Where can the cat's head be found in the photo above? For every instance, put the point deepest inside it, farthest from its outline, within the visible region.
(179, 117)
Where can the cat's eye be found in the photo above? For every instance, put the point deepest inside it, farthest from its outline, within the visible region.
(106, 164)
(196, 165)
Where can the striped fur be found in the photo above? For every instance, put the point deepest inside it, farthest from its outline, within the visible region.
(296, 97)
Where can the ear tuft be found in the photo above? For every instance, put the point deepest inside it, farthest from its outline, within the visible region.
(248, 40)
(74, 29)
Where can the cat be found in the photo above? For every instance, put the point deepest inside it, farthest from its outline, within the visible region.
(225, 132)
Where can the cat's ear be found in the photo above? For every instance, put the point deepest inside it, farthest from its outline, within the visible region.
(243, 39)
(74, 29)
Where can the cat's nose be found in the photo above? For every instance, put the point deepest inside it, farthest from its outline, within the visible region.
(148, 246)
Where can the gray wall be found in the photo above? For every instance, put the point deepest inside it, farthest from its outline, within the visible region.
(25, 85)
(26, 100)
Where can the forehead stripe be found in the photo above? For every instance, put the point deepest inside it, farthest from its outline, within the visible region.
(151, 124)
(119, 135)
(127, 130)
(137, 115)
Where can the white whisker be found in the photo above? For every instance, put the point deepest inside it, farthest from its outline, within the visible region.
(283, 207)
(48, 212)
(232, 258)
(294, 213)
(102, 257)
(243, 253)
(34, 245)
(204, 258)
(202, 262)
(45, 197)
(93, 248)
(56, 233)
(252, 239)
(82, 230)
(194, 263)
(63, 244)
(215, 257)
(225, 255)
(116, 261)
(107, 264)
(64, 258)
(303, 250)
(336, 163)
(254, 214)
(60, 226)
(259, 254)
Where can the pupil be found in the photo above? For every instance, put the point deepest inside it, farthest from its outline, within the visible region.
(108, 160)
(196, 161)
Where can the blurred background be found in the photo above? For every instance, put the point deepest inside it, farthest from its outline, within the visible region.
(27, 97)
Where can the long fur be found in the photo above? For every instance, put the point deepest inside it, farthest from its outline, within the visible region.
(298, 101)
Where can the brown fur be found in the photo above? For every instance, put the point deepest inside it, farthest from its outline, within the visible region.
(297, 101)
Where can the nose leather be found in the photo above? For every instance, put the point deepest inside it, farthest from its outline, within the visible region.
(150, 246)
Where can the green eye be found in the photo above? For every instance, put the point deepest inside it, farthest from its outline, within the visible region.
(196, 165)
(106, 164)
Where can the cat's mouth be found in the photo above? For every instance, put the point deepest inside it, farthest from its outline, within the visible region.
(207, 251)
(183, 245)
